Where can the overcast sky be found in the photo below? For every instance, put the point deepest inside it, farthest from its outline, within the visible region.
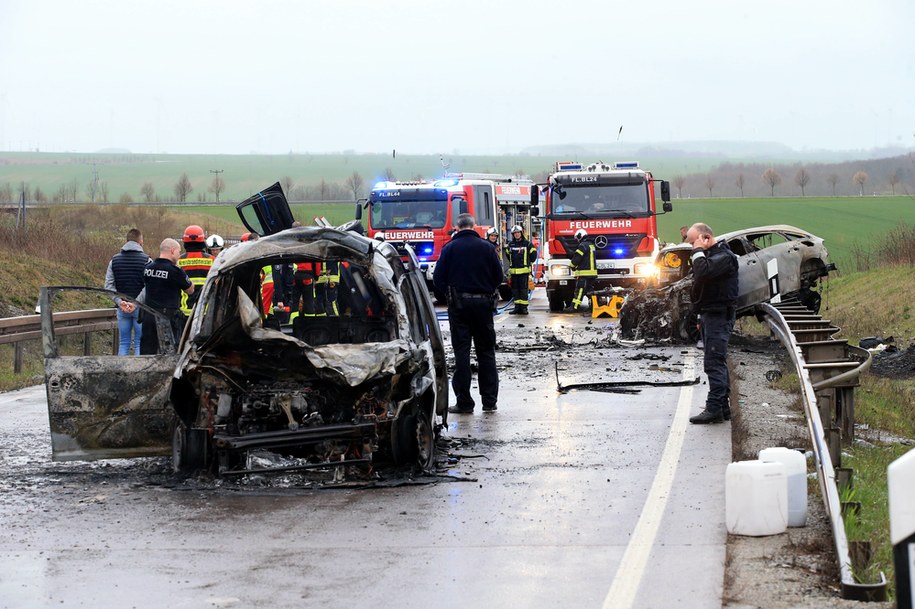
(186, 76)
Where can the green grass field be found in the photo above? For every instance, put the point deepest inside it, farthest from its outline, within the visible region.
(843, 222)
(247, 174)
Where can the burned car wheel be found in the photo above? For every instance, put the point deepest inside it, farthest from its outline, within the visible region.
(414, 440)
(189, 449)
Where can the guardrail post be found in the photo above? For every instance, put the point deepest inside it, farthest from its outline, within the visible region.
(115, 341)
(17, 357)
(846, 400)
(87, 343)
(901, 483)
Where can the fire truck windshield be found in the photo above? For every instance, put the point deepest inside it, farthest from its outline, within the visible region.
(602, 201)
(408, 214)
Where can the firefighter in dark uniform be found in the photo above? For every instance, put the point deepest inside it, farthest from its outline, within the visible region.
(714, 295)
(469, 272)
(164, 283)
(521, 254)
(584, 266)
(326, 289)
(195, 262)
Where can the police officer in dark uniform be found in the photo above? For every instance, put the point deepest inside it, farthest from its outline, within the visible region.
(715, 298)
(164, 282)
(521, 254)
(469, 272)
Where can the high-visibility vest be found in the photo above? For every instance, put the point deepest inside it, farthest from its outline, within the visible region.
(196, 265)
(267, 289)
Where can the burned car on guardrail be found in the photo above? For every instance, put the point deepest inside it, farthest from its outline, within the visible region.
(775, 263)
(320, 391)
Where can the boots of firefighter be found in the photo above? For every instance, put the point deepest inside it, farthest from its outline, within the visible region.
(524, 309)
(516, 310)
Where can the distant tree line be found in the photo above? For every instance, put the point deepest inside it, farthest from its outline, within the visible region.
(891, 176)
(878, 176)
(351, 189)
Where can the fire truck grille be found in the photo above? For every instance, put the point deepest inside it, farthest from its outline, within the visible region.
(422, 249)
(618, 246)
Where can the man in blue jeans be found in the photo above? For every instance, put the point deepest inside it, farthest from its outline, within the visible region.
(125, 275)
(715, 297)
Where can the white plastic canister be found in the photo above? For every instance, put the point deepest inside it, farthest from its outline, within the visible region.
(796, 471)
(756, 498)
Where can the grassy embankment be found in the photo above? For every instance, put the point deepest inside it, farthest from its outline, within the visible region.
(875, 303)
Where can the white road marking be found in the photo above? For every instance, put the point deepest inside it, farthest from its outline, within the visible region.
(632, 567)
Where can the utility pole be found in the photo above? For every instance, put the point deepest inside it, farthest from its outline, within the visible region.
(216, 190)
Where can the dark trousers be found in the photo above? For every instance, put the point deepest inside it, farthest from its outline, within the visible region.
(471, 320)
(716, 330)
(149, 339)
(519, 288)
(582, 284)
(303, 288)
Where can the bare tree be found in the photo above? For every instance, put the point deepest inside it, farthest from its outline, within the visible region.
(6, 194)
(894, 179)
(354, 184)
(217, 187)
(833, 179)
(740, 181)
(125, 198)
(389, 175)
(183, 188)
(148, 191)
(40, 197)
(679, 181)
(859, 179)
(772, 179)
(103, 191)
(802, 178)
(72, 191)
(287, 183)
(709, 185)
(322, 189)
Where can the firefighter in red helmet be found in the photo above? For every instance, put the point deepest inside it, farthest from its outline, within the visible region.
(196, 262)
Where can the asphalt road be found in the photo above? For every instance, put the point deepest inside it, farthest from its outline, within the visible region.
(581, 499)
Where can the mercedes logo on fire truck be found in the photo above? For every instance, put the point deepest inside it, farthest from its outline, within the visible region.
(600, 241)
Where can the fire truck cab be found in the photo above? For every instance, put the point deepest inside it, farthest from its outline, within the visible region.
(615, 204)
(423, 214)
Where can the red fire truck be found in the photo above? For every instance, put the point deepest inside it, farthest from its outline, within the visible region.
(423, 213)
(615, 204)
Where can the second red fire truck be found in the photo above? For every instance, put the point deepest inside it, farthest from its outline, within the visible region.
(615, 204)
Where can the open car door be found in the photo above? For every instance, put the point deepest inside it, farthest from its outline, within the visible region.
(107, 406)
(266, 212)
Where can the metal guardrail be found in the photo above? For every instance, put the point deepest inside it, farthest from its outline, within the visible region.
(828, 369)
(15, 330)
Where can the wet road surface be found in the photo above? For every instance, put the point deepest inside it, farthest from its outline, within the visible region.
(582, 499)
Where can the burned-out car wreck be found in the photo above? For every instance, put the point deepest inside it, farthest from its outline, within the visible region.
(775, 262)
(320, 391)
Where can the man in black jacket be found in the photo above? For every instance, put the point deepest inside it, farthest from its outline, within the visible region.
(715, 298)
(164, 282)
(469, 272)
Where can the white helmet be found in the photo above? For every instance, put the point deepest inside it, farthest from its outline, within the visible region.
(492, 231)
(517, 229)
(580, 234)
(215, 241)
